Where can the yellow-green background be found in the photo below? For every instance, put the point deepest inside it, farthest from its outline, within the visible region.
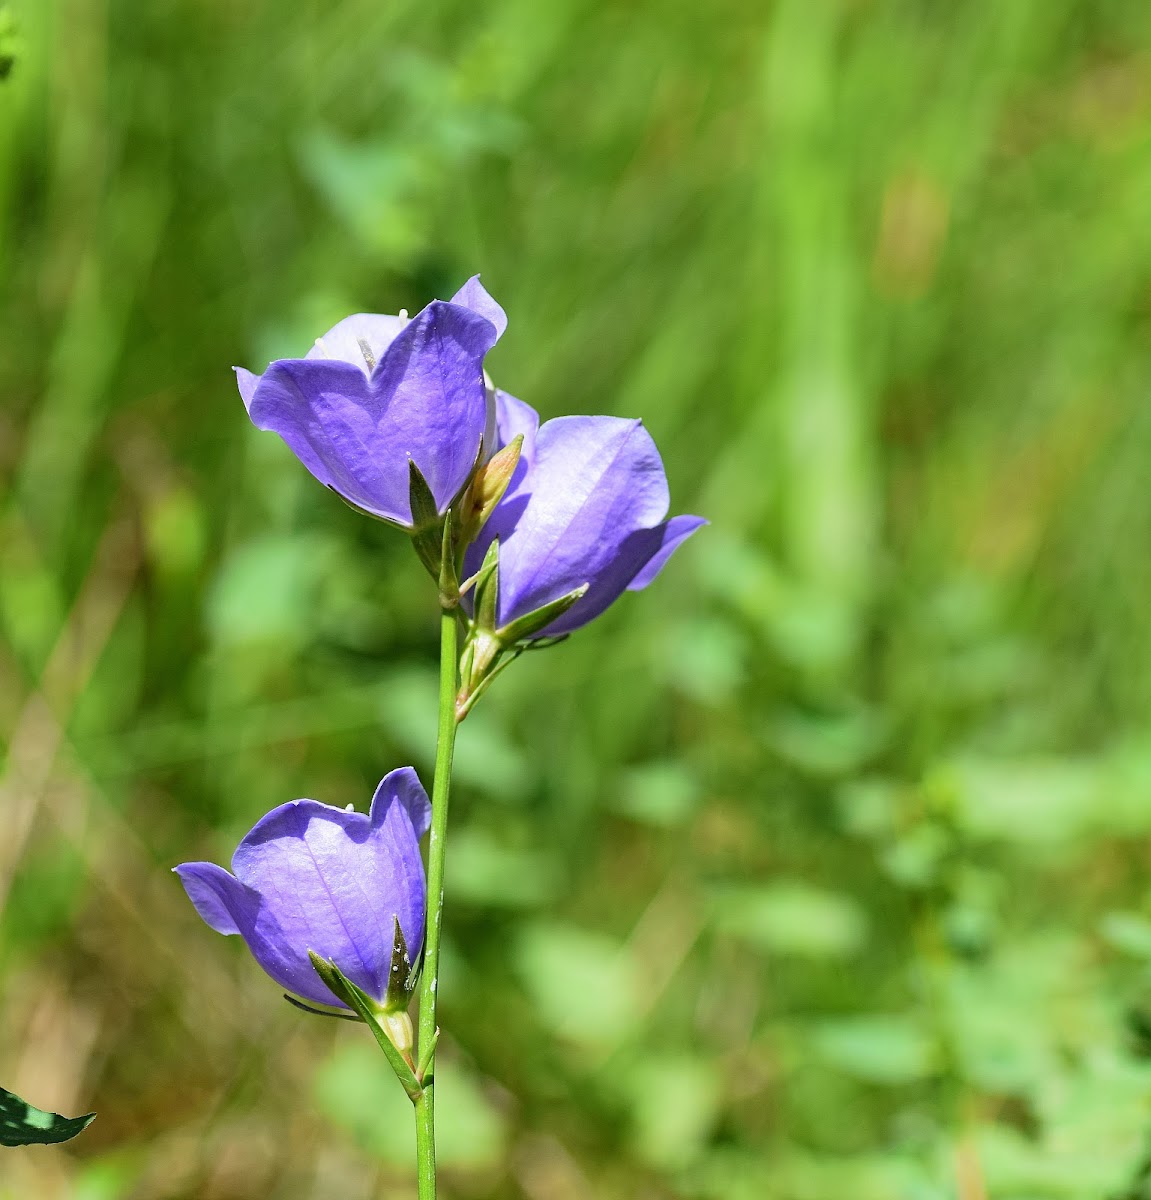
(817, 872)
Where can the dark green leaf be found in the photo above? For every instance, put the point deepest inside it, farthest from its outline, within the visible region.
(23, 1125)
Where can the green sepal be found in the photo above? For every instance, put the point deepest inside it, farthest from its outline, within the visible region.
(523, 627)
(23, 1125)
(424, 511)
(403, 973)
(544, 642)
(487, 587)
(427, 531)
(370, 1012)
(365, 513)
(427, 1057)
(483, 679)
(467, 661)
(322, 1012)
(449, 579)
(341, 986)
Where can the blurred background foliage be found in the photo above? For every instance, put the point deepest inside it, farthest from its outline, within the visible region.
(821, 869)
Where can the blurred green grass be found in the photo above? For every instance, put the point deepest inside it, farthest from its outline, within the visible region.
(819, 869)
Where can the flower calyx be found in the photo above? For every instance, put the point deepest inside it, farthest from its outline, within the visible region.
(428, 526)
(439, 540)
(390, 1025)
(491, 648)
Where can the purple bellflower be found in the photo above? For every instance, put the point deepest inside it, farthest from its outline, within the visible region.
(377, 392)
(313, 877)
(586, 506)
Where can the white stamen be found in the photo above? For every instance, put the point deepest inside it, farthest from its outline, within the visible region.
(322, 348)
(366, 351)
(403, 314)
(350, 808)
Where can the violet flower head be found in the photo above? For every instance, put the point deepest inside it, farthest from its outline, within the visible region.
(312, 877)
(587, 505)
(377, 391)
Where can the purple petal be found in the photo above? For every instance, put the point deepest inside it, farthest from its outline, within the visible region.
(330, 881)
(491, 437)
(433, 374)
(247, 383)
(400, 815)
(217, 895)
(404, 784)
(342, 341)
(672, 534)
(327, 414)
(514, 417)
(425, 401)
(636, 561)
(474, 295)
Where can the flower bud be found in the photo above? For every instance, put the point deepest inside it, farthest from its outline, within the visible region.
(487, 488)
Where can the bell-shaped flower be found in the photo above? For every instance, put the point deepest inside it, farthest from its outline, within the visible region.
(586, 508)
(376, 393)
(310, 877)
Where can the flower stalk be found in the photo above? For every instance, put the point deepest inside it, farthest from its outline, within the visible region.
(437, 842)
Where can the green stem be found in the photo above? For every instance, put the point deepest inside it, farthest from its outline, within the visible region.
(426, 1145)
(445, 748)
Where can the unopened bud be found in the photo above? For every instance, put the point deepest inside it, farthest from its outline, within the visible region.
(488, 486)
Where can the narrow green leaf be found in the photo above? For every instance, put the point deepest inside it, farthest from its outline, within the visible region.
(23, 1125)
